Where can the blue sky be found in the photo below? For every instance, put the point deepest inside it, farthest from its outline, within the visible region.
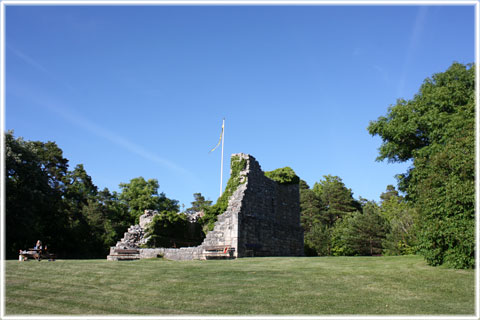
(134, 91)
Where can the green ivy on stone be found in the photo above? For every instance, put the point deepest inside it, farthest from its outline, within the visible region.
(237, 164)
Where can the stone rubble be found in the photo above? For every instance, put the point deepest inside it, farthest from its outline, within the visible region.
(135, 235)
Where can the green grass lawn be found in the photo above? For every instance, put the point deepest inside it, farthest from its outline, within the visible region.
(249, 286)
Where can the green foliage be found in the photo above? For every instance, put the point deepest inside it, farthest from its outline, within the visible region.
(326, 217)
(315, 233)
(351, 232)
(360, 233)
(340, 239)
(318, 240)
(310, 209)
(140, 194)
(237, 165)
(444, 190)
(284, 175)
(336, 199)
(171, 229)
(436, 129)
(35, 177)
(391, 192)
(62, 208)
(108, 219)
(198, 204)
(403, 221)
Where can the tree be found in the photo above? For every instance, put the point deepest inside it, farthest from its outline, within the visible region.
(436, 130)
(310, 208)
(35, 177)
(79, 199)
(360, 233)
(391, 192)
(140, 194)
(341, 232)
(198, 204)
(28, 194)
(318, 240)
(104, 219)
(321, 210)
(336, 199)
(316, 234)
(116, 216)
(403, 221)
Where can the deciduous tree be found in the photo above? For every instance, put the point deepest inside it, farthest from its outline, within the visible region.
(436, 130)
(140, 194)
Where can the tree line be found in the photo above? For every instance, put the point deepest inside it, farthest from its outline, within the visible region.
(431, 212)
(45, 199)
(336, 224)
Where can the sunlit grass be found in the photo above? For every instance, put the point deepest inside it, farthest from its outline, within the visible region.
(249, 286)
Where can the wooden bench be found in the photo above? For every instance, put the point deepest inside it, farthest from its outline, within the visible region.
(37, 254)
(218, 252)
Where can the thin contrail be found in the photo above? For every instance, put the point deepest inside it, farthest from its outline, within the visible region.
(412, 46)
(36, 65)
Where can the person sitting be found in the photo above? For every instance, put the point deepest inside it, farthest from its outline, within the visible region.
(38, 246)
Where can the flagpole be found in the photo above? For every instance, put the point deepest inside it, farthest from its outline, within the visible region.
(221, 166)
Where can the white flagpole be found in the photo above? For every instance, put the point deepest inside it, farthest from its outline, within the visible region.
(221, 166)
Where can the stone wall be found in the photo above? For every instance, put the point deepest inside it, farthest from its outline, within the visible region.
(262, 219)
(188, 253)
(269, 223)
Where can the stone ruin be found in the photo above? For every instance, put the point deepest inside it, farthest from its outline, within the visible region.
(135, 235)
(262, 219)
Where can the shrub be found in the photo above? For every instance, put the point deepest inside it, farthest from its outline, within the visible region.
(171, 229)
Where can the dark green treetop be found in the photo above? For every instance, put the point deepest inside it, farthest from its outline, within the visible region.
(335, 198)
(198, 204)
(140, 194)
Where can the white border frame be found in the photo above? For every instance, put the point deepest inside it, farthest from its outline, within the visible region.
(4, 3)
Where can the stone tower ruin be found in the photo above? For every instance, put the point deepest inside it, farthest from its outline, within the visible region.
(262, 219)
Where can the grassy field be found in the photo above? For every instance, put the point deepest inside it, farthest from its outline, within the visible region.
(249, 286)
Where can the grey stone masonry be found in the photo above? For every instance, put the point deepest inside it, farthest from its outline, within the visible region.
(269, 221)
(187, 253)
(262, 219)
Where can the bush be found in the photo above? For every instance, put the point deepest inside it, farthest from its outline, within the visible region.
(171, 229)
